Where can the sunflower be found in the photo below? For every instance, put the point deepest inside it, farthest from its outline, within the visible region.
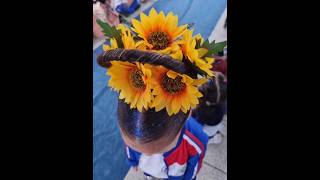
(174, 91)
(159, 33)
(132, 81)
(196, 56)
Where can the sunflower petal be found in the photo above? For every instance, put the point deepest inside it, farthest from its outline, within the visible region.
(106, 47)
(183, 109)
(160, 104)
(185, 103)
(202, 52)
(210, 60)
(194, 100)
(134, 102)
(179, 31)
(138, 28)
(177, 55)
(174, 105)
(199, 82)
(172, 74)
(140, 103)
(113, 43)
(146, 23)
(168, 106)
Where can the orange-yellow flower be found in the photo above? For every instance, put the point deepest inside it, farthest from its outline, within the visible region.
(196, 55)
(132, 81)
(174, 91)
(159, 33)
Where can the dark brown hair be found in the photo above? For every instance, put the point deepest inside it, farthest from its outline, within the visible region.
(149, 125)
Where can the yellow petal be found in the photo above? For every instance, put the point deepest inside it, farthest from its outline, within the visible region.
(122, 95)
(194, 100)
(156, 91)
(174, 23)
(138, 28)
(162, 20)
(185, 104)
(146, 23)
(183, 109)
(171, 74)
(170, 21)
(199, 82)
(161, 103)
(168, 106)
(186, 79)
(180, 30)
(175, 105)
(193, 105)
(202, 52)
(210, 60)
(134, 102)
(106, 47)
(198, 94)
(140, 103)
(113, 43)
(129, 97)
(177, 55)
(153, 12)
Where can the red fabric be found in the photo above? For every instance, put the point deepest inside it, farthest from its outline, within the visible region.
(198, 142)
(180, 155)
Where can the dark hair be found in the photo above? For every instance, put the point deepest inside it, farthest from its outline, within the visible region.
(135, 55)
(149, 125)
(212, 105)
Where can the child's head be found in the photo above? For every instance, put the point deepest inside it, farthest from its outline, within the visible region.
(157, 129)
(211, 106)
(149, 132)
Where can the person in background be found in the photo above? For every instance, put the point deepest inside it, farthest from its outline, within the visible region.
(127, 7)
(103, 10)
(213, 104)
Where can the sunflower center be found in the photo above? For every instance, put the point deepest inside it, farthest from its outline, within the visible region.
(173, 85)
(159, 40)
(136, 79)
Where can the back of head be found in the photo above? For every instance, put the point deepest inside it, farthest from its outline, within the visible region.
(149, 125)
(211, 106)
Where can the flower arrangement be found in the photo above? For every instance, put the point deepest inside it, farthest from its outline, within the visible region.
(155, 63)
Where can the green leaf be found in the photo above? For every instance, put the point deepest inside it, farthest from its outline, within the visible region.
(213, 48)
(198, 43)
(218, 47)
(206, 44)
(111, 32)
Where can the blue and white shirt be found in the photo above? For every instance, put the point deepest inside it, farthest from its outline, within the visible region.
(182, 162)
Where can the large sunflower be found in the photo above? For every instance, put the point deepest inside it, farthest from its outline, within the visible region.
(196, 55)
(159, 33)
(174, 91)
(132, 81)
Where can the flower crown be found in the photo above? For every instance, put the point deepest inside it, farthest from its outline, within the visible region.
(155, 63)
